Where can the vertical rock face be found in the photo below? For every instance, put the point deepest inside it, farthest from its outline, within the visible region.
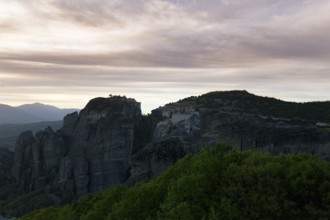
(90, 152)
(102, 143)
(37, 158)
(244, 121)
(109, 141)
(69, 124)
(6, 163)
(23, 163)
(155, 158)
(177, 121)
(47, 151)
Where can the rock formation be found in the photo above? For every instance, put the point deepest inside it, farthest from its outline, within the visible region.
(6, 162)
(110, 142)
(22, 169)
(238, 118)
(91, 152)
(155, 158)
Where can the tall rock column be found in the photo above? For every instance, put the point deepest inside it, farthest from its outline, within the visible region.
(22, 169)
(89, 153)
(102, 143)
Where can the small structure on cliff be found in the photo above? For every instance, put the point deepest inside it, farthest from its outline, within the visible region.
(182, 119)
(322, 125)
(176, 114)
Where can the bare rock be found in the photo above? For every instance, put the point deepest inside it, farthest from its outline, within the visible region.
(155, 158)
(23, 161)
(69, 123)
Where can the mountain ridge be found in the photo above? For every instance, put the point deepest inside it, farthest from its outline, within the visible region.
(243, 100)
(30, 113)
(10, 132)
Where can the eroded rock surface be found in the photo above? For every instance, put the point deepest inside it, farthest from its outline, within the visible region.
(110, 142)
(91, 152)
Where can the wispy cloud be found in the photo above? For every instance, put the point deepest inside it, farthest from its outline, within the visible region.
(186, 46)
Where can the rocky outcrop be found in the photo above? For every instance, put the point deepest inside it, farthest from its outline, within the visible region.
(3, 218)
(110, 142)
(244, 121)
(102, 143)
(276, 135)
(48, 150)
(37, 158)
(69, 124)
(23, 163)
(155, 158)
(89, 153)
(6, 162)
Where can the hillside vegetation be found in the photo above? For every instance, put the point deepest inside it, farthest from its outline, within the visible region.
(217, 183)
(247, 103)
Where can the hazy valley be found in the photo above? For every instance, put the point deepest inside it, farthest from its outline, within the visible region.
(31, 113)
(34, 117)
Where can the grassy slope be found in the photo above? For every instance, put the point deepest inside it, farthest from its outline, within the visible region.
(217, 183)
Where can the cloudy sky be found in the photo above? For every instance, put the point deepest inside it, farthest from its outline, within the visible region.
(65, 52)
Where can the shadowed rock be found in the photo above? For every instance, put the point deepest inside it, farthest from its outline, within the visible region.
(110, 142)
(89, 153)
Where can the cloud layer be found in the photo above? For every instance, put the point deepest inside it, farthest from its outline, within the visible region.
(58, 51)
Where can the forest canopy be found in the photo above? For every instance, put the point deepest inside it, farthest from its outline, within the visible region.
(217, 183)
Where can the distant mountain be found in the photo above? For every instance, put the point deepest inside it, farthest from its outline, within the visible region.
(10, 114)
(31, 113)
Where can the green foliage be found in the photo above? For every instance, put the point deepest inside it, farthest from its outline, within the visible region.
(217, 183)
(242, 101)
(21, 204)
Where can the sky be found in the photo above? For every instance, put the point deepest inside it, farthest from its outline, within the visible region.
(66, 52)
